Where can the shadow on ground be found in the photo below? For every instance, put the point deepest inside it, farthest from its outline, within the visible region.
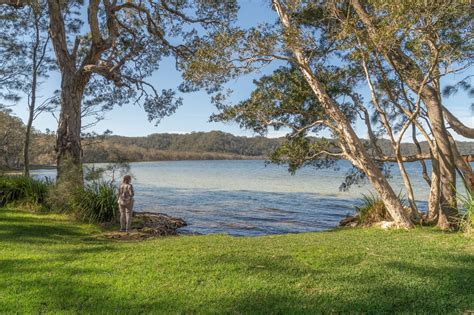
(67, 271)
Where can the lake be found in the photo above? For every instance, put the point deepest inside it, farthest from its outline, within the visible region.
(250, 197)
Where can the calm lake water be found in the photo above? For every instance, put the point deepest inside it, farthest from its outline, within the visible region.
(249, 197)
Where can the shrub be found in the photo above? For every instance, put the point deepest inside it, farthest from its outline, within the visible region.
(25, 190)
(466, 203)
(96, 202)
(372, 210)
(61, 197)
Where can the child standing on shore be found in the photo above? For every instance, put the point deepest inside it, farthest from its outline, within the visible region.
(125, 202)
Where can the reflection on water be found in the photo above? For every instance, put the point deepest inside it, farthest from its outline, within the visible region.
(249, 198)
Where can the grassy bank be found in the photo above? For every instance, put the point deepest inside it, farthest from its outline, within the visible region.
(50, 264)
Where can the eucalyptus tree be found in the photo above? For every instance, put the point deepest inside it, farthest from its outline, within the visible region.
(397, 108)
(421, 42)
(283, 100)
(118, 46)
(332, 103)
(311, 36)
(26, 60)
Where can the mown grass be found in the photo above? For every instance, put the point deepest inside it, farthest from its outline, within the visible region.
(50, 264)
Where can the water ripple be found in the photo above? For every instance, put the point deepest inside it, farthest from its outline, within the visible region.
(246, 198)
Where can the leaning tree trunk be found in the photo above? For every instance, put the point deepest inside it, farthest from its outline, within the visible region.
(445, 154)
(383, 188)
(68, 141)
(412, 75)
(357, 152)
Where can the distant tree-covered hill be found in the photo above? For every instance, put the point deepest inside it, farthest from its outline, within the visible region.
(213, 141)
(192, 146)
(155, 147)
(207, 145)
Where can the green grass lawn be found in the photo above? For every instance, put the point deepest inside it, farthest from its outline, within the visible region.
(51, 264)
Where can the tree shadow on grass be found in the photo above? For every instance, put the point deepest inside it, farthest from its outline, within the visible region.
(15, 228)
(429, 289)
(393, 286)
(57, 283)
(53, 286)
(284, 283)
(38, 233)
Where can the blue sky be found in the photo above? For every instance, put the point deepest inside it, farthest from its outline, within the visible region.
(131, 120)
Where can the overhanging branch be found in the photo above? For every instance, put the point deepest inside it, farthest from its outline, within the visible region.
(15, 3)
(457, 125)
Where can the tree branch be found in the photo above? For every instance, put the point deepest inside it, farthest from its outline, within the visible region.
(457, 125)
(15, 3)
(185, 17)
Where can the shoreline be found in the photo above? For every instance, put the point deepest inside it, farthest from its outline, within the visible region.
(49, 166)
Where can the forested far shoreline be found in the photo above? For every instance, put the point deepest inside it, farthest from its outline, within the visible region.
(213, 145)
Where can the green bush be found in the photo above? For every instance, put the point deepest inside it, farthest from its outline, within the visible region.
(96, 202)
(24, 189)
(466, 207)
(372, 210)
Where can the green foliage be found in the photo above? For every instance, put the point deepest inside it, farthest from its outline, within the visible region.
(12, 132)
(285, 100)
(52, 265)
(372, 210)
(93, 202)
(93, 173)
(96, 202)
(25, 190)
(279, 100)
(466, 203)
(415, 23)
(300, 151)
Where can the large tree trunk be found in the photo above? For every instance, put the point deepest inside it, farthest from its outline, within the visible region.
(73, 83)
(445, 154)
(356, 150)
(68, 141)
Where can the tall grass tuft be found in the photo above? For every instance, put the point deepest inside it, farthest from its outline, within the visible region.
(25, 190)
(372, 210)
(96, 202)
(466, 207)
